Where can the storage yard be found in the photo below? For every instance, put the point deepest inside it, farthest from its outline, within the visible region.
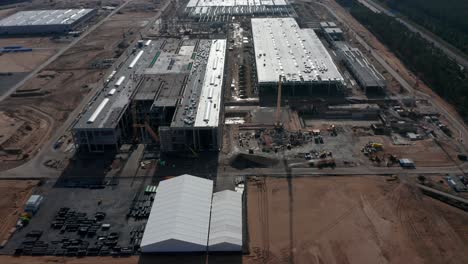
(142, 131)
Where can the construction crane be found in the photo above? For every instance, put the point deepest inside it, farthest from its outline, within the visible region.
(278, 124)
(145, 125)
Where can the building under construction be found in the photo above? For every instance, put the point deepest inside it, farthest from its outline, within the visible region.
(297, 56)
(212, 10)
(168, 89)
(367, 76)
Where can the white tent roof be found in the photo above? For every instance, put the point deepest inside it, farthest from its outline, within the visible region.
(226, 222)
(180, 216)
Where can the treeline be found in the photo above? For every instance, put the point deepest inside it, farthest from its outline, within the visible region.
(442, 74)
(447, 19)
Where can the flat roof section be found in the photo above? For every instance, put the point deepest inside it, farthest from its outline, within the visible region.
(211, 93)
(298, 55)
(117, 93)
(44, 17)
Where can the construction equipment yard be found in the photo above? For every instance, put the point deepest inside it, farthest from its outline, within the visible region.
(314, 142)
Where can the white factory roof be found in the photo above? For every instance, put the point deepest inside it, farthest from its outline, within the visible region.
(180, 216)
(226, 222)
(44, 17)
(282, 48)
(210, 97)
(218, 3)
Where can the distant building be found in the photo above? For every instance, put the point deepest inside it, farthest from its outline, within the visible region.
(210, 9)
(9, 2)
(45, 21)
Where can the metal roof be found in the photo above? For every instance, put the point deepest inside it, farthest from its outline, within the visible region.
(180, 216)
(282, 48)
(44, 17)
(210, 98)
(226, 222)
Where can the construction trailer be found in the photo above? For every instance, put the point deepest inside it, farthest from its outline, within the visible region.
(297, 55)
(58, 21)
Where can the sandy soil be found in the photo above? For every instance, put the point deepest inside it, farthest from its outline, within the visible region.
(13, 196)
(67, 80)
(24, 62)
(65, 260)
(423, 152)
(347, 220)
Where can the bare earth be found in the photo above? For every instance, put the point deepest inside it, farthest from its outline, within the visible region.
(13, 196)
(348, 220)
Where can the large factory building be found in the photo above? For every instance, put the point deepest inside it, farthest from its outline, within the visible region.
(167, 93)
(297, 56)
(45, 21)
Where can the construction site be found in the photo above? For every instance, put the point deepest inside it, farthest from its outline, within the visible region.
(226, 131)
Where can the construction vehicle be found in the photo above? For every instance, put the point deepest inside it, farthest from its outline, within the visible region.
(278, 124)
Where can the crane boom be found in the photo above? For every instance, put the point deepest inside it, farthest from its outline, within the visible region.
(278, 104)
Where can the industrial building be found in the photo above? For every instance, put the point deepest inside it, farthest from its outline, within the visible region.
(353, 111)
(45, 21)
(367, 76)
(187, 217)
(297, 55)
(331, 31)
(168, 92)
(209, 9)
(9, 2)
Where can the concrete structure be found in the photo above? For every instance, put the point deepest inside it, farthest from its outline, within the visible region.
(170, 86)
(195, 125)
(226, 222)
(180, 216)
(45, 21)
(353, 111)
(331, 31)
(209, 9)
(187, 217)
(367, 76)
(297, 55)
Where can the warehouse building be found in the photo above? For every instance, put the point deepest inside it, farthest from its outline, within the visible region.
(226, 222)
(187, 217)
(367, 76)
(211, 9)
(45, 21)
(297, 56)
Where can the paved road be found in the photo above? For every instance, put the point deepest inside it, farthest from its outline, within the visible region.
(447, 48)
(60, 52)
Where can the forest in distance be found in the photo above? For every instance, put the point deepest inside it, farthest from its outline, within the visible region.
(448, 19)
(441, 73)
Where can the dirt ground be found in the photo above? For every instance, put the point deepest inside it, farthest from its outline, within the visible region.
(65, 260)
(350, 220)
(65, 82)
(424, 153)
(13, 196)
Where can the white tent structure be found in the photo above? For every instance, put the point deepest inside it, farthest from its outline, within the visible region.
(226, 222)
(180, 216)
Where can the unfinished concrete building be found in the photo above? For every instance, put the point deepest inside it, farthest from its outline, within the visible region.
(167, 93)
(297, 55)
